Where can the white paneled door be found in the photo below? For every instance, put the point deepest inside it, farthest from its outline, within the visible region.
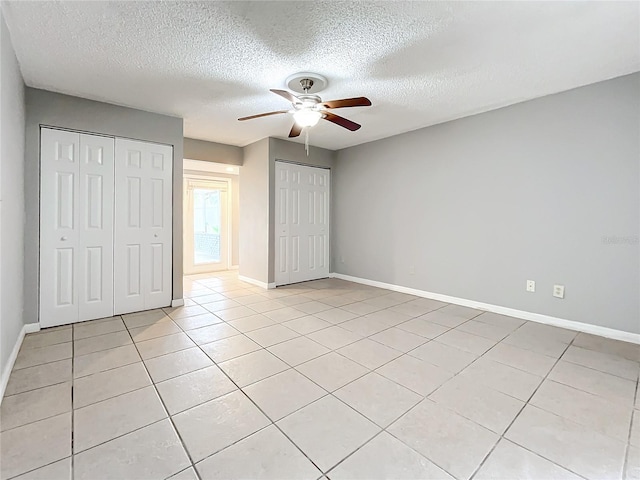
(76, 227)
(142, 226)
(302, 223)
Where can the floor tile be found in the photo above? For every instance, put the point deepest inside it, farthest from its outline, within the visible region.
(499, 320)
(423, 328)
(415, 374)
(252, 322)
(337, 301)
(481, 329)
(298, 350)
(97, 327)
(46, 338)
(197, 321)
(378, 398)
(572, 446)
(252, 299)
(212, 333)
(594, 381)
(466, 341)
(214, 425)
(176, 364)
(626, 350)
(605, 362)
(60, 470)
(450, 441)
(155, 330)
(31, 357)
(163, 345)
(444, 319)
(88, 345)
(188, 474)
(215, 307)
(213, 297)
(412, 309)
(104, 360)
(271, 335)
(34, 405)
(460, 311)
(252, 367)
(359, 308)
(384, 458)
(235, 313)
(383, 301)
(332, 371)
(154, 451)
(103, 421)
(485, 406)
(184, 312)
(229, 348)
(509, 460)
(327, 431)
(334, 337)
(451, 359)
(364, 326)
(503, 378)
(592, 411)
(187, 391)
(546, 332)
(312, 307)
(337, 315)
(399, 339)
(369, 353)
(141, 319)
(551, 348)
(39, 376)
(267, 454)
(305, 325)
(35, 445)
(111, 383)
(284, 393)
(522, 359)
(284, 314)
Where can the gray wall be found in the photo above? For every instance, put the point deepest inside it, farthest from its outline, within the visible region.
(54, 109)
(12, 118)
(292, 152)
(546, 190)
(212, 152)
(254, 211)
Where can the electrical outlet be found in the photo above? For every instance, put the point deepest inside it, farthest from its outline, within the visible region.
(531, 286)
(558, 291)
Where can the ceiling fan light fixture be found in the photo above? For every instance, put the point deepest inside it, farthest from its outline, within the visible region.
(307, 118)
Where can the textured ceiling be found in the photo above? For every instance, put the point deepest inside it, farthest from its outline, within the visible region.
(420, 63)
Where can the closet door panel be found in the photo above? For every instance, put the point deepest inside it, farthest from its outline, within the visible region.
(143, 226)
(59, 227)
(96, 226)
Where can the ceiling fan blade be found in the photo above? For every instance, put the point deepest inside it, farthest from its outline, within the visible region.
(343, 122)
(263, 115)
(288, 95)
(347, 102)
(295, 130)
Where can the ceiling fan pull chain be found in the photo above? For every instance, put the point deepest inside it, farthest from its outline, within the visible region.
(306, 140)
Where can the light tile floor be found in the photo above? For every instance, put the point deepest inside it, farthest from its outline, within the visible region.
(321, 379)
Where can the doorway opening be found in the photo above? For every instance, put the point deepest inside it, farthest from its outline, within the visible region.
(210, 217)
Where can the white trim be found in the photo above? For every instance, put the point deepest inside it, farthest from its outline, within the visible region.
(511, 312)
(177, 302)
(257, 283)
(28, 328)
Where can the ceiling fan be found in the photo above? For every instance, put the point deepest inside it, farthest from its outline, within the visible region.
(309, 108)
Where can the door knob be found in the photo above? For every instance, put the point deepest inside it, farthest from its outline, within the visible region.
(64, 239)
(155, 235)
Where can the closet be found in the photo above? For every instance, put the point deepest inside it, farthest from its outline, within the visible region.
(105, 226)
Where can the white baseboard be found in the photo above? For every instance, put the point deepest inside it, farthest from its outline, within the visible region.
(6, 372)
(177, 302)
(257, 283)
(511, 312)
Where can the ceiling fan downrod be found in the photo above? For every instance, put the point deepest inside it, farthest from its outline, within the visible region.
(306, 84)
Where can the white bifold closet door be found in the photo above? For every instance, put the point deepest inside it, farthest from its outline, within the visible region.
(142, 261)
(76, 227)
(302, 223)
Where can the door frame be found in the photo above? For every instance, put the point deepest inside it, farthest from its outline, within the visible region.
(226, 220)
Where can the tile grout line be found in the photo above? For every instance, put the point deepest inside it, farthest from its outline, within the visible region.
(169, 417)
(625, 463)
